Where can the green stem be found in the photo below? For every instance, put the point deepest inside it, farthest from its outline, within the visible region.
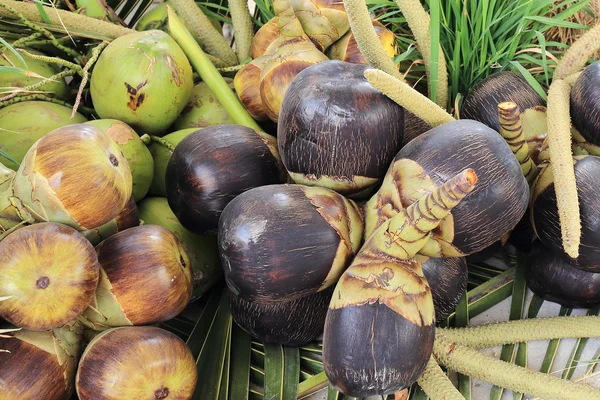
(469, 361)
(419, 23)
(368, 42)
(203, 31)
(65, 21)
(243, 28)
(436, 384)
(148, 140)
(27, 39)
(561, 162)
(579, 53)
(92, 60)
(209, 73)
(408, 98)
(524, 330)
(36, 85)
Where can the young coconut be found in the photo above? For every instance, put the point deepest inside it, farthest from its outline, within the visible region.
(40, 365)
(75, 175)
(247, 87)
(202, 250)
(143, 79)
(447, 278)
(336, 130)
(584, 114)
(127, 218)
(272, 235)
(288, 323)
(551, 276)
(545, 219)
(379, 328)
(22, 124)
(48, 275)
(135, 151)
(213, 165)
(141, 362)
(145, 278)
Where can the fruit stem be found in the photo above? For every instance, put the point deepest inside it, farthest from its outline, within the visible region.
(468, 361)
(526, 330)
(578, 54)
(209, 74)
(368, 42)
(243, 28)
(436, 384)
(203, 31)
(64, 21)
(561, 162)
(148, 140)
(408, 98)
(511, 129)
(419, 23)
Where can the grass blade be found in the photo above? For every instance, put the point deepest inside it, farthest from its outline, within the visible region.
(312, 385)
(241, 344)
(291, 374)
(462, 320)
(553, 347)
(578, 349)
(434, 45)
(274, 371)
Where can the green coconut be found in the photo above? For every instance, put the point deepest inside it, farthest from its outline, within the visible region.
(32, 74)
(161, 155)
(202, 250)
(22, 124)
(92, 8)
(143, 79)
(203, 109)
(157, 19)
(135, 151)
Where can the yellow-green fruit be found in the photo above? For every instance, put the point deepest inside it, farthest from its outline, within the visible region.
(141, 362)
(143, 79)
(203, 109)
(161, 153)
(48, 275)
(22, 124)
(92, 8)
(40, 365)
(202, 250)
(75, 175)
(137, 154)
(35, 72)
(156, 18)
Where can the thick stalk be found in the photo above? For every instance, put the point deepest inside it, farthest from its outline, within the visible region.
(368, 42)
(203, 31)
(408, 98)
(524, 330)
(419, 23)
(243, 28)
(561, 162)
(65, 21)
(436, 384)
(511, 129)
(579, 53)
(470, 362)
(209, 74)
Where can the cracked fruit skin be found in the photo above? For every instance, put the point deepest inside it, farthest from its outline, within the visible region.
(50, 272)
(141, 362)
(136, 152)
(24, 123)
(143, 79)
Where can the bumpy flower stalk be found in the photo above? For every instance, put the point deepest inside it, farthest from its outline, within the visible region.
(579, 53)
(419, 23)
(366, 38)
(525, 330)
(559, 145)
(243, 28)
(203, 31)
(436, 384)
(511, 129)
(468, 361)
(408, 98)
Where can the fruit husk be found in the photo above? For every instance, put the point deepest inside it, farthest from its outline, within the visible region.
(247, 87)
(22, 124)
(40, 364)
(447, 278)
(142, 363)
(143, 79)
(202, 250)
(127, 218)
(324, 21)
(145, 278)
(346, 49)
(308, 231)
(288, 323)
(36, 71)
(203, 109)
(48, 275)
(87, 162)
(135, 151)
(265, 39)
(161, 155)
